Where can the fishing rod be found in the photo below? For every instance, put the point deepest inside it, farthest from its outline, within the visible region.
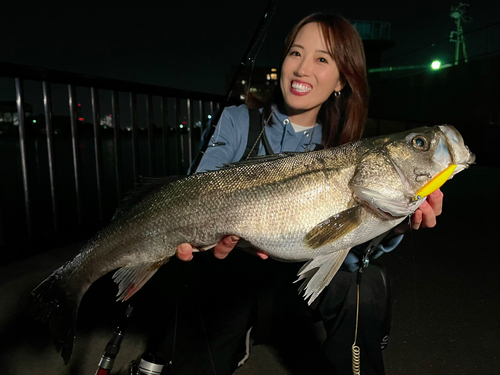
(261, 29)
(113, 347)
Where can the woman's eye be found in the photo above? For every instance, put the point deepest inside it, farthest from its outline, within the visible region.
(323, 60)
(294, 53)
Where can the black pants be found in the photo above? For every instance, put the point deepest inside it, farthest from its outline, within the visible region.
(203, 309)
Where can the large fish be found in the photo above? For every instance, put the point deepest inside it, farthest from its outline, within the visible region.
(305, 206)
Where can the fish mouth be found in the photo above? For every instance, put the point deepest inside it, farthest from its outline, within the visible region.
(459, 152)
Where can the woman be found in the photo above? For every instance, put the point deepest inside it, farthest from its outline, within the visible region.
(321, 101)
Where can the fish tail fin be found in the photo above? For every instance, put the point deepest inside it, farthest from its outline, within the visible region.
(57, 307)
(318, 272)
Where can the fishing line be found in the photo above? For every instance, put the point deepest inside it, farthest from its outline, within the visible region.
(356, 351)
(414, 265)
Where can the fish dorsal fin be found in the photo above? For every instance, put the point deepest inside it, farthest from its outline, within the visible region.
(333, 228)
(144, 187)
(318, 273)
(260, 159)
(131, 279)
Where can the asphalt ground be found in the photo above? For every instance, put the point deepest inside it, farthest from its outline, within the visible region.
(445, 285)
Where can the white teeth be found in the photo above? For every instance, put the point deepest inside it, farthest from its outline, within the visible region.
(300, 87)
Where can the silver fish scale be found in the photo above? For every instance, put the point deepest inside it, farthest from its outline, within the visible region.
(272, 208)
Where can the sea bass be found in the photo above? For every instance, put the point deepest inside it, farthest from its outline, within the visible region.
(312, 206)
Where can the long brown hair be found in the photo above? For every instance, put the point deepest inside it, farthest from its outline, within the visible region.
(343, 118)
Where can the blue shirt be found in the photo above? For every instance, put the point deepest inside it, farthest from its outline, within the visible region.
(229, 141)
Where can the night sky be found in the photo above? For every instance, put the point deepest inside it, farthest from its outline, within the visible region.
(192, 44)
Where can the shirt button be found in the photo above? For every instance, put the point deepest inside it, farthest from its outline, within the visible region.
(286, 122)
(307, 135)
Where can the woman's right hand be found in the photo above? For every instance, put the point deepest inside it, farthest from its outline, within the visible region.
(221, 250)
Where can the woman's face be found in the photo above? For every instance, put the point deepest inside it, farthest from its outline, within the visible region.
(309, 75)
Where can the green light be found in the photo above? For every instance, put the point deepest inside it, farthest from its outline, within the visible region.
(34, 121)
(436, 65)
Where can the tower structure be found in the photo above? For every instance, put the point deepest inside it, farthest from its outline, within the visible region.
(459, 13)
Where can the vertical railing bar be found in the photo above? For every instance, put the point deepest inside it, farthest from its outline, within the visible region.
(24, 157)
(190, 132)
(200, 111)
(115, 104)
(204, 117)
(47, 104)
(211, 105)
(165, 130)
(75, 144)
(151, 139)
(96, 116)
(178, 137)
(135, 137)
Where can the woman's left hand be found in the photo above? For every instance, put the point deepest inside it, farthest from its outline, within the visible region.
(425, 215)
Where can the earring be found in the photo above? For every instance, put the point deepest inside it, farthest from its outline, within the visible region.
(337, 94)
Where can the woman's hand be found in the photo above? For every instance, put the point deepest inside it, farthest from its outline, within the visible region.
(221, 250)
(425, 215)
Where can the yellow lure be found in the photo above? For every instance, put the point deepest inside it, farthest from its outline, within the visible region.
(435, 183)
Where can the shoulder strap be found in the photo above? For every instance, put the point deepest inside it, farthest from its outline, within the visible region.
(254, 130)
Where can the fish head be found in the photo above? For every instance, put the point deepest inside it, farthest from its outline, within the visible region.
(396, 173)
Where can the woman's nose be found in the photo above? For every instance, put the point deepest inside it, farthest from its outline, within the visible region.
(303, 68)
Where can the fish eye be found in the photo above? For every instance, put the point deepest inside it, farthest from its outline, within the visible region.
(420, 143)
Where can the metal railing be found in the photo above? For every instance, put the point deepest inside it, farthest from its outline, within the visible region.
(77, 170)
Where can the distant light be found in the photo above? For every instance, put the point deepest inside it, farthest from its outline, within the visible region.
(436, 65)
(274, 70)
(181, 126)
(209, 116)
(79, 105)
(243, 81)
(34, 121)
(105, 127)
(80, 118)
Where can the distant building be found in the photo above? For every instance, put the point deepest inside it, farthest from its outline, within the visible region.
(8, 112)
(9, 120)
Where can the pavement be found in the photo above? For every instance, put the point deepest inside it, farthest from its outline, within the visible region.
(446, 310)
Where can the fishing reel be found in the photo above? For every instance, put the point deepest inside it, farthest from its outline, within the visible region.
(148, 365)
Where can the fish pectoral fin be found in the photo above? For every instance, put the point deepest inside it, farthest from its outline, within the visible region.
(318, 273)
(131, 278)
(333, 228)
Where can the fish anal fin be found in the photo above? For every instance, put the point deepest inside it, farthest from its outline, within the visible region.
(132, 278)
(333, 228)
(318, 272)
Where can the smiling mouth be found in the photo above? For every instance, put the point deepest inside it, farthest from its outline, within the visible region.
(301, 87)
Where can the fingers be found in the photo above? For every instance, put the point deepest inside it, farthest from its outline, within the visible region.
(224, 247)
(261, 254)
(185, 252)
(425, 216)
(436, 201)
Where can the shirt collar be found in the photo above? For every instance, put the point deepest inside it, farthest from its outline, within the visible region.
(284, 120)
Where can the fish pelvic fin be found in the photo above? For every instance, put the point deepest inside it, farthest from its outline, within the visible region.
(333, 228)
(55, 306)
(318, 272)
(132, 278)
